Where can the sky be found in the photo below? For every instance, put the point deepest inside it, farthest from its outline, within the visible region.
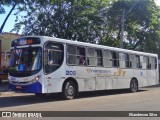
(157, 2)
(11, 20)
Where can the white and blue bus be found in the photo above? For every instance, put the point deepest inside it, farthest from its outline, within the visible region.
(43, 65)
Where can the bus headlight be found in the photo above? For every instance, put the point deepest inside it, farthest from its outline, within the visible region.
(37, 77)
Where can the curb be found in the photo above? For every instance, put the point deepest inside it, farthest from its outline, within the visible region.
(158, 85)
(6, 93)
(13, 93)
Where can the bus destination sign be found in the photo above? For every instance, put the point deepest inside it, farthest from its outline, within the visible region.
(25, 41)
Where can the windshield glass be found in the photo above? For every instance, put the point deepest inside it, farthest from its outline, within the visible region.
(25, 59)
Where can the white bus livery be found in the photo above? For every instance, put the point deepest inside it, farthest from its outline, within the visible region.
(42, 65)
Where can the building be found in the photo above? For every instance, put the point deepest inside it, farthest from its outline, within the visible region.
(5, 45)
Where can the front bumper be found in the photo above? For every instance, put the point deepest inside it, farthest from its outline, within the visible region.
(32, 88)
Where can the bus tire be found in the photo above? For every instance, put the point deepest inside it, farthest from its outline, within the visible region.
(133, 86)
(69, 90)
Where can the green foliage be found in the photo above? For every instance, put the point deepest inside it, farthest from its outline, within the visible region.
(95, 21)
(2, 10)
(70, 19)
(141, 24)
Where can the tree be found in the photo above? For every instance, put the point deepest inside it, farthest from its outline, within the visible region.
(70, 19)
(2, 10)
(94, 21)
(141, 25)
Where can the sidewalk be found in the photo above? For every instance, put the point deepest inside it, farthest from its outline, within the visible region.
(4, 91)
(3, 86)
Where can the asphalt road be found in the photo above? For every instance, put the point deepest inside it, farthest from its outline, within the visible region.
(147, 99)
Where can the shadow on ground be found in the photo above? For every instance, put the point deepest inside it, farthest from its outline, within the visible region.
(26, 99)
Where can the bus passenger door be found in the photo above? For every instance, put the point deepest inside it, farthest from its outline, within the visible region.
(53, 66)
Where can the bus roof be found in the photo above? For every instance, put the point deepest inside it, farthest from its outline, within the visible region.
(46, 38)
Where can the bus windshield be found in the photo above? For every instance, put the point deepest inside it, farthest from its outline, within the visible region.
(26, 60)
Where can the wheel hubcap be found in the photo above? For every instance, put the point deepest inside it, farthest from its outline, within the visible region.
(134, 86)
(69, 90)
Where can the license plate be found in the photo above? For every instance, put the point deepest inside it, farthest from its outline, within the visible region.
(18, 87)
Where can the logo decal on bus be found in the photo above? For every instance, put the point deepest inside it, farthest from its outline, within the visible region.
(70, 72)
(120, 72)
(99, 71)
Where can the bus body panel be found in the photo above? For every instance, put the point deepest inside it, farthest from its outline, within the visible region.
(54, 80)
(89, 78)
(110, 78)
(27, 84)
(142, 78)
(100, 78)
(151, 77)
(138, 74)
(124, 77)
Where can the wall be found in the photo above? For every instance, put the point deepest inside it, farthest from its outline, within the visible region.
(6, 39)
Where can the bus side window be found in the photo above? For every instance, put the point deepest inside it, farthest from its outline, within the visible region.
(145, 62)
(114, 57)
(153, 63)
(91, 57)
(75, 55)
(99, 57)
(109, 58)
(123, 60)
(71, 55)
(81, 55)
(133, 62)
(138, 61)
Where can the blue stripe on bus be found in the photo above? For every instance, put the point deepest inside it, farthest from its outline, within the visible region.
(32, 88)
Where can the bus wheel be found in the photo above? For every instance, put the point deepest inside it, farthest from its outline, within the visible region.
(69, 90)
(134, 85)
